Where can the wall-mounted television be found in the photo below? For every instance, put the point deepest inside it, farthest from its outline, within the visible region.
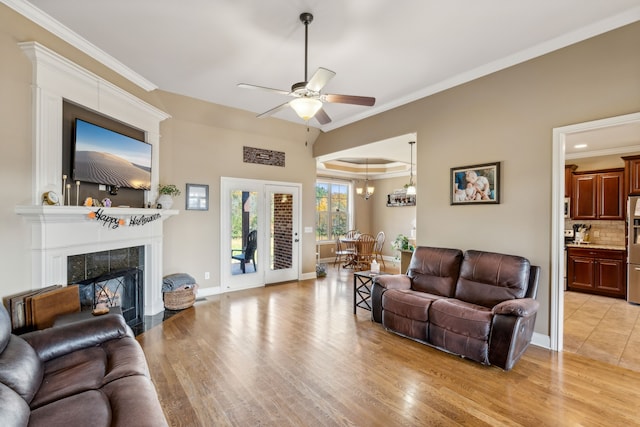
(103, 156)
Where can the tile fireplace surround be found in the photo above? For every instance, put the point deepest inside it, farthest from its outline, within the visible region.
(58, 232)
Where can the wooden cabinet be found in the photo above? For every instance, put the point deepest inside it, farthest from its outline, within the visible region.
(597, 271)
(568, 174)
(632, 175)
(598, 195)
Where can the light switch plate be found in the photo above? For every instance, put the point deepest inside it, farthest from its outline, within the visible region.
(308, 229)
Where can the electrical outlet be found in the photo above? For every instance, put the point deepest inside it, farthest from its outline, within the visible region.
(207, 276)
(333, 250)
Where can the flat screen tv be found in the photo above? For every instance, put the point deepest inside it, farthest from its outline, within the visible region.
(103, 156)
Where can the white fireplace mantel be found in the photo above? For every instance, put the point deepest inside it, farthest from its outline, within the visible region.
(58, 232)
(59, 214)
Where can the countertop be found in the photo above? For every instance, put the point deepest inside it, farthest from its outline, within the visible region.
(596, 246)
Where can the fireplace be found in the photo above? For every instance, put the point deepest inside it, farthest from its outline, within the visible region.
(58, 232)
(62, 235)
(113, 278)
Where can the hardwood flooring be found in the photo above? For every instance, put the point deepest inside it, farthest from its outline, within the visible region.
(294, 354)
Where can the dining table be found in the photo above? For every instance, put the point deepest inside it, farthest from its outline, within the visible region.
(357, 260)
(351, 245)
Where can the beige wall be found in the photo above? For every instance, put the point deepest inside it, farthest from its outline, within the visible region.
(200, 143)
(391, 220)
(508, 117)
(203, 142)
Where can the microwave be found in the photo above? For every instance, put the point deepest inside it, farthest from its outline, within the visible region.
(567, 206)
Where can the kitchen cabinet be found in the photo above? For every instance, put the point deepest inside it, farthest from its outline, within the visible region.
(598, 195)
(568, 174)
(632, 174)
(597, 271)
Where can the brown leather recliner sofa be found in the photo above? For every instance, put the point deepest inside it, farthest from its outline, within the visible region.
(89, 373)
(479, 305)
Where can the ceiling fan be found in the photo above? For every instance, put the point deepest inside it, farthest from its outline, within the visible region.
(308, 100)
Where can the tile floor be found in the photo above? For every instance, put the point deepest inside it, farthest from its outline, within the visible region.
(601, 328)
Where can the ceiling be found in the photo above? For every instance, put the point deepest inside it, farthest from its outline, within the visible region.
(396, 52)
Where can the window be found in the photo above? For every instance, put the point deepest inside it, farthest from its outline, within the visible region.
(333, 210)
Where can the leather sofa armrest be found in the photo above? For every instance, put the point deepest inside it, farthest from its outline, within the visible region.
(522, 307)
(60, 340)
(393, 281)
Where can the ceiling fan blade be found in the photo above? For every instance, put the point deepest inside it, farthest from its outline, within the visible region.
(273, 110)
(319, 79)
(349, 99)
(268, 89)
(322, 117)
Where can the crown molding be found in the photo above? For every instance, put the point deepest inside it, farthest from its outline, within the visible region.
(562, 41)
(55, 27)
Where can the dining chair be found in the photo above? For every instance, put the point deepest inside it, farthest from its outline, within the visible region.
(377, 248)
(342, 253)
(364, 251)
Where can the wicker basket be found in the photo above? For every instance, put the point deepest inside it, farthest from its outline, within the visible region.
(180, 299)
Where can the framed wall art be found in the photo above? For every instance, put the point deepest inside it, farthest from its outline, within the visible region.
(197, 197)
(475, 184)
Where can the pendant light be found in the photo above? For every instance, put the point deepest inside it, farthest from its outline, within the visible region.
(411, 188)
(367, 190)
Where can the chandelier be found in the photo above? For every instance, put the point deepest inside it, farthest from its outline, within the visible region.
(365, 190)
(411, 188)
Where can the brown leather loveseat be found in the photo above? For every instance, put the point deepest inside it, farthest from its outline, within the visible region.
(88, 373)
(479, 305)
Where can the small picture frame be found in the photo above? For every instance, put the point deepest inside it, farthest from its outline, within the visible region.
(475, 184)
(197, 197)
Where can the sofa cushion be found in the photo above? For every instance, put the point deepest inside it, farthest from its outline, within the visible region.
(14, 411)
(125, 358)
(488, 278)
(71, 374)
(407, 303)
(435, 270)
(89, 408)
(461, 327)
(134, 402)
(20, 368)
(407, 312)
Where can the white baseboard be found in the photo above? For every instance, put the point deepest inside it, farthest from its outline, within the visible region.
(207, 292)
(540, 340)
(307, 276)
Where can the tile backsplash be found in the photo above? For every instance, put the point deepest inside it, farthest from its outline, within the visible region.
(602, 232)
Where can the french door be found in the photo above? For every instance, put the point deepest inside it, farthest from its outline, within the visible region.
(260, 241)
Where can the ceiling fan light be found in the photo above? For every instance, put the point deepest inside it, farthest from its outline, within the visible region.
(411, 190)
(306, 108)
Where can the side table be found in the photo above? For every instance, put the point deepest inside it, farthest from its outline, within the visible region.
(362, 281)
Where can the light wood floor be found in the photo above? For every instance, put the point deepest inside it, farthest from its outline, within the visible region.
(295, 355)
(601, 328)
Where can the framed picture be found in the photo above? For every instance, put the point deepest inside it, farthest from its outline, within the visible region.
(476, 184)
(197, 197)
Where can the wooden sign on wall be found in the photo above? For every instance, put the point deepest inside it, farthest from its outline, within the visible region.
(262, 157)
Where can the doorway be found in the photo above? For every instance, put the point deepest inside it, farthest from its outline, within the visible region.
(260, 229)
(557, 228)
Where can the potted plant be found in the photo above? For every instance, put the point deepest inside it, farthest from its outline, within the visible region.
(165, 201)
